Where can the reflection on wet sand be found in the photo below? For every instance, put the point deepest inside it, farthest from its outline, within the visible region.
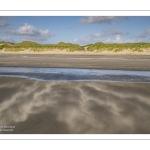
(74, 107)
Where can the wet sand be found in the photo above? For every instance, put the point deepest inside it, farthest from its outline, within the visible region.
(74, 107)
(118, 62)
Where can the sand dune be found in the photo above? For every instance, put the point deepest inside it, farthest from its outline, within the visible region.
(57, 51)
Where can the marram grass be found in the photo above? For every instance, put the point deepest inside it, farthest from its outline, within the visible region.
(99, 47)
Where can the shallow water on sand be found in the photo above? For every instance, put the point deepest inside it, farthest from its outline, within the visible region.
(74, 107)
(68, 74)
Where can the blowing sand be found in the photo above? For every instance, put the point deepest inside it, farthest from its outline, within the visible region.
(74, 107)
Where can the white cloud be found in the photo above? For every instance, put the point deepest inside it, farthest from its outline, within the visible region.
(118, 39)
(112, 35)
(101, 19)
(108, 33)
(30, 32)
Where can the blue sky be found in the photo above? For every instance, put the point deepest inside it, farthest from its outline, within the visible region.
(80, 30)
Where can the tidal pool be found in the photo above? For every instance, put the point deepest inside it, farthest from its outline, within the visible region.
(68, 74)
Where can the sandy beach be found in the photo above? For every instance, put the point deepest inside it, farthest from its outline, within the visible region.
(29, 106)
(123, 62)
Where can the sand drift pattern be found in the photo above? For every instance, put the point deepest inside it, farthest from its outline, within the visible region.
(75, 74)
(74, 107)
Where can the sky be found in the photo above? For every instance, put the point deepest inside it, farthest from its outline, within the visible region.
(80, 30)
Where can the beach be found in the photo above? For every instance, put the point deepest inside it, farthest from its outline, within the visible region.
(74, 94)
(122, 62)
(56, 107)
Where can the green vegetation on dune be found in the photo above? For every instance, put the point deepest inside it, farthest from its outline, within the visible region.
(134, 47)
(68, 46)
(35, 47)
(98, 47)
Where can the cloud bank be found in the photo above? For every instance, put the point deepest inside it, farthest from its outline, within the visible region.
(112, 35)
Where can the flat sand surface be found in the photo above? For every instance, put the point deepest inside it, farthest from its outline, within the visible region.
(36, 107)
(123, 62)
(61, 107)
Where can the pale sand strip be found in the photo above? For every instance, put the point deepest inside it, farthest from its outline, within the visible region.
(56, 51)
